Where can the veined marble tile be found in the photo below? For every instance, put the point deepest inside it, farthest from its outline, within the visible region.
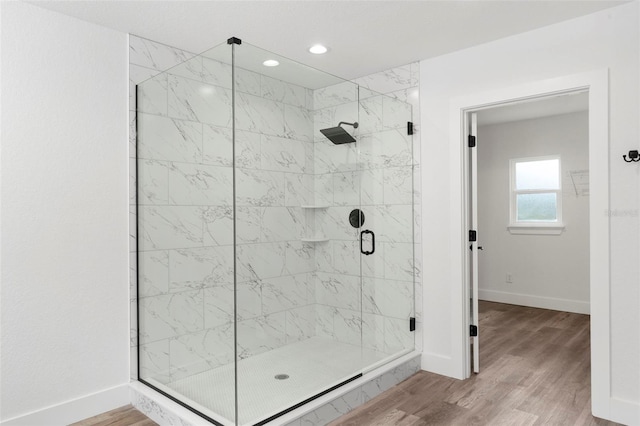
(323, 189)
(391, 223)
(220, 307)
(346, 188)
(133, 229)
(152, 95)
(282, 224)
(389, 80)
(191, 69)
(133, 276)
(197, 268)
(334, 409)
(283, 293)
(300, 323)
(324, 320)
(347, 326)
(298, 123)
(260, 261)
(195, 184)
(261, 334)
(256, 114)
(396, 113)
(259, 188)
(154, 55)
(248, 224)
(132, 181)
(218, 225)
(161, 138)
(193, 100)
(153, 268)
(170, 315)
(336, 94)
(373, 265)
(397, 336)
(154, 361)
(371, 115)
(300, 257)
(391, 148)
(272, 89)
(283, 155)
(247, 150)
(202, 351)
(324, 257)
(133, 324)
(334, 223)
(398, 185)
(217, 145)
(330, 158)
(372, 185)
(388, 297)
(216, 73)
(373, 331)
(132, 134)
(137, 75)
(346, 255)
(398, 261)
(247, 82)
(153, 182)
(299, 189)
(340, 291)
(295, 95)
(166, 227)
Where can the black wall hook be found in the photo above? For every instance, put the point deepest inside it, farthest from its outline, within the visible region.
(633, 157)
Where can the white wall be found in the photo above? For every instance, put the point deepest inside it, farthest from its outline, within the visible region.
(64, 217)
(548, 271)
(607, 39)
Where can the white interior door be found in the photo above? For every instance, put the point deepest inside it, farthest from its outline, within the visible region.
(473, 225)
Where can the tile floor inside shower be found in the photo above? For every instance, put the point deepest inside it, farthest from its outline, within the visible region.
(313, 365)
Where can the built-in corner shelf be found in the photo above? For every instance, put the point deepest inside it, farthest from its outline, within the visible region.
(310, 215)
(314, 207)
(314, 239)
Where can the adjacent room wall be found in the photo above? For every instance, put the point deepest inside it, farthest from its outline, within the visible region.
(547, 271)
(607, 39)
(64, 217)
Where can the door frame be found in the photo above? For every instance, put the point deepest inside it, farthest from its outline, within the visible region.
(596, 83)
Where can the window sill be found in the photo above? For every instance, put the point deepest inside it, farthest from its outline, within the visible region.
(546, 229)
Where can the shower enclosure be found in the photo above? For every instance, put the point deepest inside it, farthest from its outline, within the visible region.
(274, 265)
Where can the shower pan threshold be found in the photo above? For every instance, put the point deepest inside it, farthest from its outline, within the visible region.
(313, 365)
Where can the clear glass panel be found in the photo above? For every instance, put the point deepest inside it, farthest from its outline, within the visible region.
(185, 246)
(542, 174)
(298, 283)
(386, 175)
(539, 207)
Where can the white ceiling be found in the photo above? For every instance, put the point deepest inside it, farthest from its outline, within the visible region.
(364, 36)
(538, 108)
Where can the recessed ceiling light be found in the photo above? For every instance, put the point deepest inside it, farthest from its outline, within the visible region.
(271, 63)
(318, 49)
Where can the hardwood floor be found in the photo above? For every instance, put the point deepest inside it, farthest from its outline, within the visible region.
(535, 370)
(123, 416)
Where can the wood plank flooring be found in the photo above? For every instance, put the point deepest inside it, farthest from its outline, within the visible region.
(534, 370)
(123, 416)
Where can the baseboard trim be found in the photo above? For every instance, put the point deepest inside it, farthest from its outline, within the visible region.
(567, 305)
(76, 409)
(439, 364)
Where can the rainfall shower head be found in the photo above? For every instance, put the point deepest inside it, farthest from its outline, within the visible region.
(338, 135)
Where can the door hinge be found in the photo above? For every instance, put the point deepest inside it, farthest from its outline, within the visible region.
(472, 141)
(473, 330)
(473, 236)
(412, 324)
(409, 127)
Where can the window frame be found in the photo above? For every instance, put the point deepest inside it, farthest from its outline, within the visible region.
(534, 227)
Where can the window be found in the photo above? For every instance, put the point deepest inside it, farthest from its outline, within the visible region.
(536, 196)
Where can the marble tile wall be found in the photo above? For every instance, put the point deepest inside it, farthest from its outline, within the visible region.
(380, 173)
(185, 207)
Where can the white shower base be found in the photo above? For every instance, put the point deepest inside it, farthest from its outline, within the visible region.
(313, 365)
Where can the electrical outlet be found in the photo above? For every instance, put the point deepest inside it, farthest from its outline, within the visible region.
(509, 278)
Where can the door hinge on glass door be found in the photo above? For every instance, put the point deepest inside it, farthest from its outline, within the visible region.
(473, 330)
(472, 141)
(412, 324)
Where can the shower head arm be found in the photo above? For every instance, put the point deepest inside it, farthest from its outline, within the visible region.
(355, 125)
